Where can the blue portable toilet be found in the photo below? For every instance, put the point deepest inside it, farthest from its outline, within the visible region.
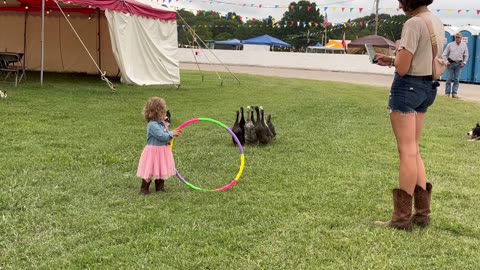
(450, 32)
(476, 57)
(470, 36)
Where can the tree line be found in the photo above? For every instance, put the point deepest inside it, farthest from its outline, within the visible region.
(302, 25)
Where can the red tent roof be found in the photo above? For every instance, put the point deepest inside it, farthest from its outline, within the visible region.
(89, 6)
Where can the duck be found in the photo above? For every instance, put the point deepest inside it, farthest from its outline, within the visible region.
(250, 136)
(261, 129)
(236, 129)
(270, 126)
(242, 127)
(266, 122)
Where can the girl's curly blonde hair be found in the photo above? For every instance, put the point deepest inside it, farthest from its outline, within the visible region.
(155, 109)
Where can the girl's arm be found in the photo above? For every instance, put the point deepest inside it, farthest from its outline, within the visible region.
(159, 132)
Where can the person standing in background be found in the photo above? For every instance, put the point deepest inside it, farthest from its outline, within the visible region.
(456, 53)
(412, 92)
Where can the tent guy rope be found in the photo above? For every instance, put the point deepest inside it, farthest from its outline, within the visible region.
(195, 36)
(102, 73)
(194, 57)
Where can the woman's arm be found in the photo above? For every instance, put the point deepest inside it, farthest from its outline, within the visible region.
(402, 61)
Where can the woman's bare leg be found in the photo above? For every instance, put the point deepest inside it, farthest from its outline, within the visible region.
(404, 127)
(422, 175)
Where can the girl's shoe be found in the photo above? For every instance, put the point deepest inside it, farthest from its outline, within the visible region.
(144, 189)
(160, 185)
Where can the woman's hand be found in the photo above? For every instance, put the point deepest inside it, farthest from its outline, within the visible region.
(384, 60)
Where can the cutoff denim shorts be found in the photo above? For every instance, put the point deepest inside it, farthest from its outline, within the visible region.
(412, 94)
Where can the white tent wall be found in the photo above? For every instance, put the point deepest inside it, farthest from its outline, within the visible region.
(256, 48)
(145, 49)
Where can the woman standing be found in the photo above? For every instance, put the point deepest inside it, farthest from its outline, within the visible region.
(412, 92)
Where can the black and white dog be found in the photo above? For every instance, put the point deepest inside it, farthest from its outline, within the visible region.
(474, 134)
(3, 94)
(168, 118)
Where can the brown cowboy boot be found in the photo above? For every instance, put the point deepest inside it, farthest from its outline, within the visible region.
(421, 199)
(402, 211)
(160, 185)
(144, 189)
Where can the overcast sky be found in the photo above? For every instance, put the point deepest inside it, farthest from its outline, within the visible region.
(446, 9)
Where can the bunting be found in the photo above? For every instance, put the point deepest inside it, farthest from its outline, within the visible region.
(278, 24)
(360, 10)
(298, 7)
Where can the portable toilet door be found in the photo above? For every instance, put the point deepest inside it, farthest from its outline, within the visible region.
(476, 61)
(470, 34)
(450, 32)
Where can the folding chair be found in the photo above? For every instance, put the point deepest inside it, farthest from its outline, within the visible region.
(12, 64)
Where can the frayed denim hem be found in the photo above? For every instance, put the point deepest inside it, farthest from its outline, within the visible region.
(398, 111)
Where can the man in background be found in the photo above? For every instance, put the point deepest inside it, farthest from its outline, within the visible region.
(456, 53)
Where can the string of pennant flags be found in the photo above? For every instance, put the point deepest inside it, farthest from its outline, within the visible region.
(275, 23)
(280, 24)
(360, 10)
(319, 7)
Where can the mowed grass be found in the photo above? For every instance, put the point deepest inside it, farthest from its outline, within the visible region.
(69, 195)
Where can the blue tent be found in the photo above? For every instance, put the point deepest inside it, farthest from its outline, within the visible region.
(233, 42)
(266, 40)
(318, 45)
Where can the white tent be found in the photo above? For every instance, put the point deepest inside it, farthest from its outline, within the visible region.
(124, 37)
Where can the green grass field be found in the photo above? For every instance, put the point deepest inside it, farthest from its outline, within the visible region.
(69, 195)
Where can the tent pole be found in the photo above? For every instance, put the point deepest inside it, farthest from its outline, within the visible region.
(99, 39)
(42, 42)
(25, 37)
(376, 17)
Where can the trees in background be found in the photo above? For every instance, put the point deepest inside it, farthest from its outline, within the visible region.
(298, 24)
(301, 25)
(389, 27)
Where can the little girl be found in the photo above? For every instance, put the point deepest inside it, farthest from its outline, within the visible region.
(156, 160)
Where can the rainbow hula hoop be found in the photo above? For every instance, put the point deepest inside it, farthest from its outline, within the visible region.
(240, 149)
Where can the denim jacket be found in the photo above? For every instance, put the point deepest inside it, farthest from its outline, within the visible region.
(158, 134)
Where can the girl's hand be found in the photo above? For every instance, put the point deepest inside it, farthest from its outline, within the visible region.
(383, 60)
(177, 132)
(165, 123)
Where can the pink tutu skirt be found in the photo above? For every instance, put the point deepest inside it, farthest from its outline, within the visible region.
(156, 162)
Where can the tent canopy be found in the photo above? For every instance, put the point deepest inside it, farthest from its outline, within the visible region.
(376, 41)
(315, 48)
(134, 38)
(89, 6)
(332, 44)
(266, 40)
(233, 42)
(380, 44)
